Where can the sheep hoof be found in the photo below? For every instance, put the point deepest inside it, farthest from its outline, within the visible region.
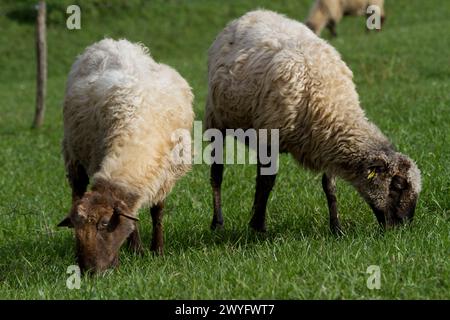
(258, 227)
(157, 251)
(337, 230)
(217, 226)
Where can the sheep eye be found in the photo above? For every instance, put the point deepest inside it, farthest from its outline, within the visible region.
(103, 224)
(398, 183)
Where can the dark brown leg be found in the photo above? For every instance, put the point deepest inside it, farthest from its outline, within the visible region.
(329, 187)
(264, 185)
(216, 182)
(158, 239)
(134, 241)
(382, 20)
(332, 27)
(78, 180)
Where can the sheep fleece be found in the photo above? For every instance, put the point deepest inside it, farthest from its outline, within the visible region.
(267, 71)
(120, 111)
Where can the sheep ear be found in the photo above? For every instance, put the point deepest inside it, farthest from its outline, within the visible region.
(114, 221)
(66, 222)
(120, 208)
(376, 165)
(115, 218)
(129, 217)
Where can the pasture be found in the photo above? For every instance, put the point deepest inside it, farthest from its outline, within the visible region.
(403, 78)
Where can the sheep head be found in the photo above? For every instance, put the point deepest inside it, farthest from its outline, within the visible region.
(101, 226)
(390, 183)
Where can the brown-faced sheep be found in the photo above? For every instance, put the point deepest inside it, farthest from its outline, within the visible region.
(328, 13)
(121, 110)
(266, 71)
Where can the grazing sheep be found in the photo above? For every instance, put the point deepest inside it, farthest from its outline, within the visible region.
(121, 109)
(328, 13)
(267, 71)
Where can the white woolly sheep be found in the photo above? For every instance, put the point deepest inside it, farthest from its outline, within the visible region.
(121, 109)
(266, 71)
(328, 13)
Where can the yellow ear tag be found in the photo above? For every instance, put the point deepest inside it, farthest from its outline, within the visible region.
(371, 175)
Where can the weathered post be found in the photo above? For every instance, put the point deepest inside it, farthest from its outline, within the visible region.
(41, 54)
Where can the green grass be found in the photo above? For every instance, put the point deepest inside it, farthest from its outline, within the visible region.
(403, 78)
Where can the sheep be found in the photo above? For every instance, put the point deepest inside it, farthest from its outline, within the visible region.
(328, 13)
(266, 71)
(120, 111)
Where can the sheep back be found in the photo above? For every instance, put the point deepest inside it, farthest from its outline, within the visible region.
(270, 72)
(120, 111)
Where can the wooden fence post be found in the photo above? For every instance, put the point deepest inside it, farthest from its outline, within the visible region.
(41, 54)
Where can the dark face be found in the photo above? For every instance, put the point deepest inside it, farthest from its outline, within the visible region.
(400, 203)
(391, 187)
(101, 226)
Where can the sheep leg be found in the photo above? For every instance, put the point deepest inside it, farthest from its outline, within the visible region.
(78, 180)
(382, 20)
(157, 238)
(332, 27)
(264, 185)
(329, 187)
(134, 241)
(216, 183)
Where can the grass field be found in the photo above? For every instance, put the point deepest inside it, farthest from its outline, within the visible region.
(403, 78)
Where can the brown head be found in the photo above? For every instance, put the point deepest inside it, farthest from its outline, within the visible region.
(101, 224)
(390, 183)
